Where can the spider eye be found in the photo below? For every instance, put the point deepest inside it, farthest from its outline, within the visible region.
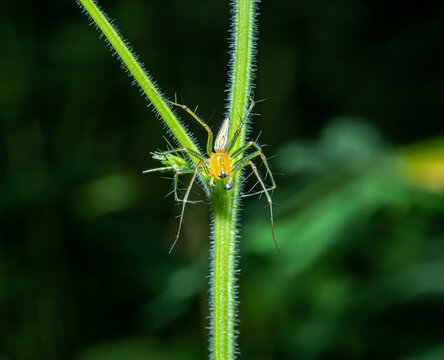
(223, 175)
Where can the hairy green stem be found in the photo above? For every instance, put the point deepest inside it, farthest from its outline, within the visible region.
(139, 74)
(226, 204)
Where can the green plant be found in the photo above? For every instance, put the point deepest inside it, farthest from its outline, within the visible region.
(225, 205)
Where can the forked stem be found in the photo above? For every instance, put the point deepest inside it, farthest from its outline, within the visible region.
(225, 204)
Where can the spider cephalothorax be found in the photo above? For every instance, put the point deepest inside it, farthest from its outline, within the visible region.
(219, 164)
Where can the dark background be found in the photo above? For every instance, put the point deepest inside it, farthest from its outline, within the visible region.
(353, 119)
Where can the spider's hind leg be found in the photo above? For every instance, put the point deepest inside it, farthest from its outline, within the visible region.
(244, 161)
(184, 200)
(270, 202)
(176, 180)
(247, 161)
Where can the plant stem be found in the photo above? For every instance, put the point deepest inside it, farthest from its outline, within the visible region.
(226, 205)
(139, 74)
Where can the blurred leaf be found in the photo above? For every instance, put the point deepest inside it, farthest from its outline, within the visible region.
(130, 349)
(105, 195)
(435, 353)
(357, 243)
(345, 143)
(422, 279)
(350, 142)
(307, 232)
(424, 164)
(181, 287)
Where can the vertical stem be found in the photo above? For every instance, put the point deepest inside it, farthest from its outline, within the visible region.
(224, 282)
(226, 204)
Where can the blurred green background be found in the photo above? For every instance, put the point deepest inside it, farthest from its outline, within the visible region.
(353, 119)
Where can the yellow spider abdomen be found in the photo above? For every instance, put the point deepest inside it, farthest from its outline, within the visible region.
(220, 165)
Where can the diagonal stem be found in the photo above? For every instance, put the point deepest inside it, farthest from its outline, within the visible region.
(140, 75)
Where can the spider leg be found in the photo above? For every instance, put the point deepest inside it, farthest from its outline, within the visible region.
(161, 169)
(211, 183)
(270, 202)
(247, 161)
(241, 125)
(229, 184)
(176, 179)
(185, 150)
(242, 162)
(198, 119)
(184, 202)
(202, 160)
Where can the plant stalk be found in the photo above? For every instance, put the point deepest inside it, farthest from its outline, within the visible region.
(139, 74)
(226, 204)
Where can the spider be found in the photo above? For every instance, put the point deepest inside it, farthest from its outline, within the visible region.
(219, 164)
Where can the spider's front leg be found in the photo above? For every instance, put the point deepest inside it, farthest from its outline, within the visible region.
(229, 184)
(199, 120)
(241, 125)
(211, 183)
(185, 150)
